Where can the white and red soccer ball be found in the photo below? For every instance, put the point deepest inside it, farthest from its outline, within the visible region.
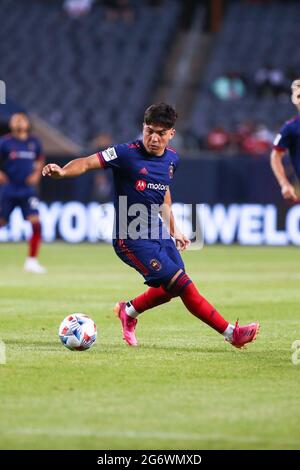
(78, 332)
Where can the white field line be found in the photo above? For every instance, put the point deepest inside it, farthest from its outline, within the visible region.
(57, 432)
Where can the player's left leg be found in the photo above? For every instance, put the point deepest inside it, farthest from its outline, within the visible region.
(181, 285)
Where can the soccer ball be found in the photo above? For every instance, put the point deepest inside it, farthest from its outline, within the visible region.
(77, 332)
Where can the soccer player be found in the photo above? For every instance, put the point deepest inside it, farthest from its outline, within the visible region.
(143, 171)
(22, 161)
(288, 139)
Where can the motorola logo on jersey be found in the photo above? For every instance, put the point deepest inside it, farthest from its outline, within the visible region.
(159, 186)
(141, 185)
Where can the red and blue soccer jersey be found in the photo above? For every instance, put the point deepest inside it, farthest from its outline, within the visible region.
(17, 160)
(17, 157)
(289, 139)
(141, 181)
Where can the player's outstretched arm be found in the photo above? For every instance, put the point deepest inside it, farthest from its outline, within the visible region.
(287, 189)
(74, 168)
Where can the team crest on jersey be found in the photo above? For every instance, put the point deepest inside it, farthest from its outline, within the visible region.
(109, 154)
(155, 264)
(143, 171)
(31, 146)
(171, 171)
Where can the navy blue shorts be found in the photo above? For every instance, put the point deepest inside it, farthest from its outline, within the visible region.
(156, 260)
(24, 197)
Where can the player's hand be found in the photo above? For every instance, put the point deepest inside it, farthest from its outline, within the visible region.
(53, 170)
(288, 192)
(181, 241)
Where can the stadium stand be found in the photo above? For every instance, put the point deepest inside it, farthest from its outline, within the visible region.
(82, 75)
(252, 36)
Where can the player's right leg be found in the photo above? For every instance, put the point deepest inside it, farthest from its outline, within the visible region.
(32, 264)
(128, 323)
(29, 206)
(151, 260)
(128, 311)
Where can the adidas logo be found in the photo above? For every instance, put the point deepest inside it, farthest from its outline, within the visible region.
(143, 171)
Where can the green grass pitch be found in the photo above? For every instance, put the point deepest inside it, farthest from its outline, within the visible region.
(182, 388)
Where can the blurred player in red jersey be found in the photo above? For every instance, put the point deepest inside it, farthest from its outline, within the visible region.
(143, 171)
(288, 140)
(21, 162)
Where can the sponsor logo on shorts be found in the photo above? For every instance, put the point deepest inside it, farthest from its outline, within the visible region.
(155, 264)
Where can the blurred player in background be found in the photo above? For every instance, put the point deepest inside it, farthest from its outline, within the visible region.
(288, 140)
(143, 171)
(21, 162)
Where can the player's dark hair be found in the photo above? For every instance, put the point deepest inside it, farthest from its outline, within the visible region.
(162, 114)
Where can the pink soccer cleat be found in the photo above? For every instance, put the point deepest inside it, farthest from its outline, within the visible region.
(128, 323)
(244, 334)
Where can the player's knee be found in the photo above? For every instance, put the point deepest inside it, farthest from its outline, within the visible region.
(178, 283)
